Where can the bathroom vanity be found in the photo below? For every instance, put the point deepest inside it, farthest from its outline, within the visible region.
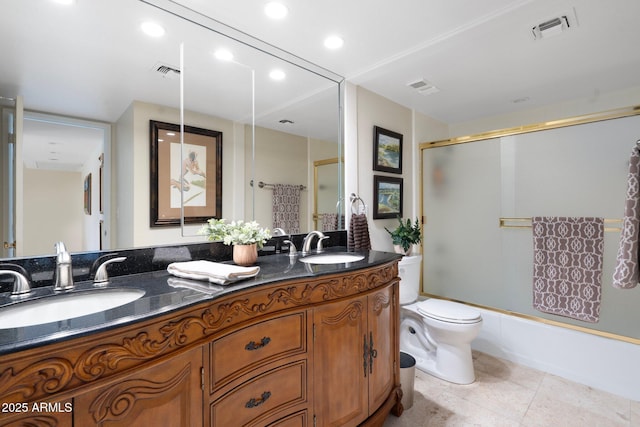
(299, 345)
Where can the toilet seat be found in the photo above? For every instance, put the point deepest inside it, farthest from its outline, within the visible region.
(448, 311)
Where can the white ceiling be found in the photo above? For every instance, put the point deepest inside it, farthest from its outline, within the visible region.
(479, 54)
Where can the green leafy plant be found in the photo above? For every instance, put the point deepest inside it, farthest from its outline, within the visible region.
(406, 234)
(236, 232)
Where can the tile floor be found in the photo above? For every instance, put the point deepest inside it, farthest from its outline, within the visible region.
(507, 394)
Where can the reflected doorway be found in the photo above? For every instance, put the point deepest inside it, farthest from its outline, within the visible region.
(63, 186)
(7, 176)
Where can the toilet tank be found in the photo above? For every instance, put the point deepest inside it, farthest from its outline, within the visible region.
(409, 272)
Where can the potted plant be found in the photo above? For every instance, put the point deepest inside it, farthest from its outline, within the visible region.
(246, 238)
(405, 236)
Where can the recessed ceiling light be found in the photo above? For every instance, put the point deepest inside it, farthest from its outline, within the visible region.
(333, 42)
(277, 75)
(152, 29)
(223, 55)
(275, 10)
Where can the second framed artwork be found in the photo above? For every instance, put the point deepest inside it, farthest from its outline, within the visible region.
(192, 177)
(387, 150)
(387, 195)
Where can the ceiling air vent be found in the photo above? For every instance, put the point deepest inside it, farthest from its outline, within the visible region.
(423, 87)
(167, 71)
(551, 27)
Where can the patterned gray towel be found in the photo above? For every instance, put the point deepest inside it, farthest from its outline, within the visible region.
(286, 207)
(626, 273)
(567, 266)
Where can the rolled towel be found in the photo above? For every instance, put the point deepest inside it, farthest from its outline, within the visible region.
(214, 272)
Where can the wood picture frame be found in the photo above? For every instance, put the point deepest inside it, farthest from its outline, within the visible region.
(387, 150)
(387, 195)
(193, 176)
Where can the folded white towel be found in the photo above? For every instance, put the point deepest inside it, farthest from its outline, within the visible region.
(214, 272)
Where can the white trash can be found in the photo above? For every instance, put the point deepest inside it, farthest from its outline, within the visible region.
(407, 377)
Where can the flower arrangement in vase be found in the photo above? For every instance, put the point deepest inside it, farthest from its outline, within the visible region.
(246, 238)
(405, 236)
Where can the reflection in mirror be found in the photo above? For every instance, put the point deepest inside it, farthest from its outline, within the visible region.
(91, 61)
(7, 165)
(61, 164)
(327, 177)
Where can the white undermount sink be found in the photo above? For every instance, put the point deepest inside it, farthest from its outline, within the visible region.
(65, 306)
(330, 258)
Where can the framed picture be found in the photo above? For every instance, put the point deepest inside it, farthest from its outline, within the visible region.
(387, 150)
(387, 195)
(192, 176)
(87, 194)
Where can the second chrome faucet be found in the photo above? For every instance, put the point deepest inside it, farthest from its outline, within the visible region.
(64, 270)
(306, 244)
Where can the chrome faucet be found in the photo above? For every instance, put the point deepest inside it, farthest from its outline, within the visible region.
(101, 277)
(279, 232)
(21, 284)
(306, 244)
(64, 272)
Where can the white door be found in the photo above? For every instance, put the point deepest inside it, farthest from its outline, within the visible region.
(10, 113)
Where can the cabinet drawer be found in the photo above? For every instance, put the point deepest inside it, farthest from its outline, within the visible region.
(299, 419)
(263, 396)
(254, 345)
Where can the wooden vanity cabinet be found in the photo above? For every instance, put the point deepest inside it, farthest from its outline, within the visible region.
(355, 358)
(307, 352)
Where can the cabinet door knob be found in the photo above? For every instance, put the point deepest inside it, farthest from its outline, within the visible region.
(252, 345)
(253, 402)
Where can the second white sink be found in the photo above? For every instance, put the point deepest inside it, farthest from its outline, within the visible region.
(330, 258)
(65, 306)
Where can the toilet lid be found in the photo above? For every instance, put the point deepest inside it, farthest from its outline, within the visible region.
(448, 311)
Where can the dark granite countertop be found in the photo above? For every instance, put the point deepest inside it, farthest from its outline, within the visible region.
(165, 293)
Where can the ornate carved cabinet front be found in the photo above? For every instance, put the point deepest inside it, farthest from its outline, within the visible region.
(163, 394)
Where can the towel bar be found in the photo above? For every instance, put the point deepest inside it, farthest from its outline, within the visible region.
(506, 222)
(265, 184)
(354, 199)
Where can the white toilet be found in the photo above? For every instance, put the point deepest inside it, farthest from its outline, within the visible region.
(437, 333)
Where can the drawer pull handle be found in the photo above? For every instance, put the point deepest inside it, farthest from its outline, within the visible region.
(253, 402)
(253, 346)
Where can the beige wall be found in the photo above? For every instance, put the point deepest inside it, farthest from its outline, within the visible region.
(51, 215)
(280, 158)
(132, 180)
(374, 110)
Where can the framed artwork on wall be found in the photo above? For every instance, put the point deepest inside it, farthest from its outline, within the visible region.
(192, 177)
(387, 150)
(387, 195)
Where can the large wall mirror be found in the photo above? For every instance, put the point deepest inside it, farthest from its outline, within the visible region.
(479, 197)
(88, 81)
